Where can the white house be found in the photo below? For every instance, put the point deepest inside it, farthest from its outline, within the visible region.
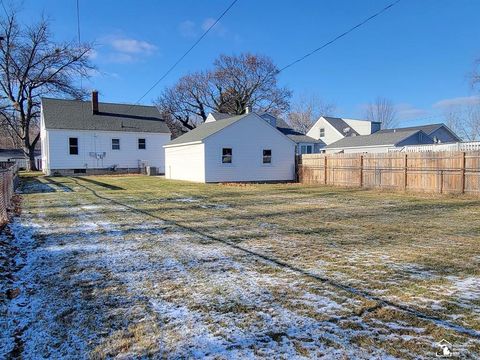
(305, 144)
(81, 137)
(331, 129)
(238, 148)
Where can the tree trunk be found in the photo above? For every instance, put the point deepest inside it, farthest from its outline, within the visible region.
(30, 157)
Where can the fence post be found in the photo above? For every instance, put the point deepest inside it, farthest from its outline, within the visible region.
(441, 181)
(361, 170)
(325, 170)
(464, 163)
(405, 175)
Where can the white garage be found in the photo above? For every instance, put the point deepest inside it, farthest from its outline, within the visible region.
(235, 149)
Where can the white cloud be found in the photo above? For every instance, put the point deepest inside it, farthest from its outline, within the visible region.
(408, 111)
(457, 101)
(133, 46)
(218, 29)
(187, 28)
(121, 49)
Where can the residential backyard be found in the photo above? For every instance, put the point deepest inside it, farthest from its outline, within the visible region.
(135, 266)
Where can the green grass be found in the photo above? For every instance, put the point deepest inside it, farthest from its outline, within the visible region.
(410, 250)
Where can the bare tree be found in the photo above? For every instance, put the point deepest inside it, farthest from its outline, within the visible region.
(306, 110)
(33, 66)
(382, 110)
(464, 121)
(187, 101)
(475, 76)
(234, 83)
(250, 81)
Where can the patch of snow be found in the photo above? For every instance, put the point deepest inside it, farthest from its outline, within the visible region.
(187, 200)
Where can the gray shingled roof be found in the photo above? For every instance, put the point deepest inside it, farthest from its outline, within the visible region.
(340, 125)
(77, 115)
(205, 130)
(294, 135)
(375, 139)
(427, 129)
(220, 116)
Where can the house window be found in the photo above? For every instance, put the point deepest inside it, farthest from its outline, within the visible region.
(73, 146)
(306, 149)
(267, 156)
(226, 155)
(115, 144)
(142, 144)
(322, 132)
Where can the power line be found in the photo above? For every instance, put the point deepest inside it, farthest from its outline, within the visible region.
(78, 22)
(338, 37)
(186, 53)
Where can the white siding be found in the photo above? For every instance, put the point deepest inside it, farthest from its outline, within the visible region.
(185, 162)
(56, 155)
(248, 138)
(364, 149)
(331, 134)
(363, 127)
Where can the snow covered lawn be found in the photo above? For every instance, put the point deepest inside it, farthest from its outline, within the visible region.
(135, 266)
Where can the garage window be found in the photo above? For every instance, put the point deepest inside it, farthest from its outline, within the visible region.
(227, 155)
(267, 156)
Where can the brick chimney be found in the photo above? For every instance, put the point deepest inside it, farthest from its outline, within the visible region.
(94, 101)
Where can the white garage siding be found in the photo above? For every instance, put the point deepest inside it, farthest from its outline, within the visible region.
(185, 162)
(247, 139)
(56, 154)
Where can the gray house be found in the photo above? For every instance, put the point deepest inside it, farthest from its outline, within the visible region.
(387, 140)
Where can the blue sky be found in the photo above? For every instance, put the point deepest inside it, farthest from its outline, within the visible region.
(419, 53)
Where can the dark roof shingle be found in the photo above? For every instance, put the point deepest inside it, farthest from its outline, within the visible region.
(205, 130)
(341, 126)
(295, 135)
(376, 139)
(77, 115)
(427, 129)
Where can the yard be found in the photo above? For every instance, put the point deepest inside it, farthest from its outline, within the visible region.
(143, 267)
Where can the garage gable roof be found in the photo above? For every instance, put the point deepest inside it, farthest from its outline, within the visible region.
(204, 130)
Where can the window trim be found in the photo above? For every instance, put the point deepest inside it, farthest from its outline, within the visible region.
(306, 146)
(70, 146)
(118, 139)
(223, 156)
(144, 144)
(269, 157)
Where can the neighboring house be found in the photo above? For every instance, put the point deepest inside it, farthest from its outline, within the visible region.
(331, 129)
(379, 141)
(81, 137)
(351, 135)
(233, 149)
(18, 156)
(439, 133)
(305, 144)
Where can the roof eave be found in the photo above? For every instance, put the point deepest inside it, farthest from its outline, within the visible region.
(183, 144)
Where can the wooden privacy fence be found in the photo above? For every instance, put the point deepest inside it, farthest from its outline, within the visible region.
(440, 172)
(8, 182)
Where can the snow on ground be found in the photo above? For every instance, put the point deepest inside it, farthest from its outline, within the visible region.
(102, 281)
